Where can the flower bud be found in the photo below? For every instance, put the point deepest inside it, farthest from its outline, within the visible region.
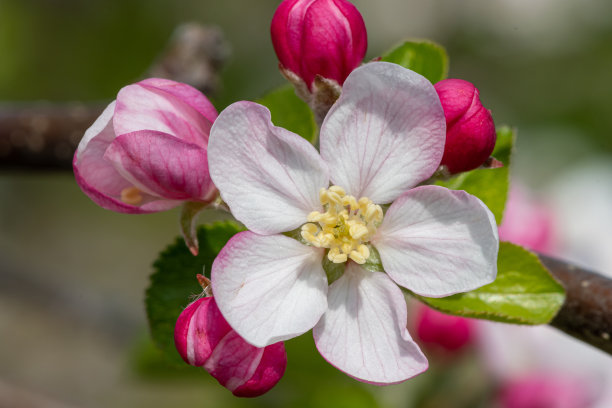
(319, 37)
(147, 152)
(470, 131)
(442, 332)
(203, 338)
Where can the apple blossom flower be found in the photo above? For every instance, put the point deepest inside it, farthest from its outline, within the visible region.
(319, 37)
(470, 131)
(147, 151)
(384, 136)
(204, 339)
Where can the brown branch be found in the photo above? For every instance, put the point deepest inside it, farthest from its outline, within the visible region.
(41, 136)
(587, 311)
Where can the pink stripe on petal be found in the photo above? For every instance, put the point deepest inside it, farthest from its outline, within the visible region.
(186, 93)
(438, 242)
(269, 288)
(363, 332)
(269, 177)
(162, 165)
(385, 134)
(142, 107)
(269, 371)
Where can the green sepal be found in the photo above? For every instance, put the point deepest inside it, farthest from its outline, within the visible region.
(373, 263)
(333, 270)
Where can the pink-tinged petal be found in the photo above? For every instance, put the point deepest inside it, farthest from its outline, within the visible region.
(101, 130)
(269, 288)
(99, 179)
(198, 331)
(204, 339)
(270, 370)
(385, 134)
(141, 106)
(245, 370)
(162, 165)
(269, 177)
(363, 332)
(186, 93)
(438, 242)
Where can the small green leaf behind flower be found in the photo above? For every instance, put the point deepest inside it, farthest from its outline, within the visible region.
(490, 185)
(174, 281)
(290, 112)
(424, 57)
(523, 293)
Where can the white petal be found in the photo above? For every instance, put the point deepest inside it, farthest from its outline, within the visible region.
(363, 333)
(385, 134)
(101, 129)
(438, 242)
(269, 288)
(269, 177)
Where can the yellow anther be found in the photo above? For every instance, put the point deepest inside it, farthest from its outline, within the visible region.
(364, 250)
(344, 227)
(314, 216)
(358, 231)
(337, 189)
(350, 202)
(335, 256)
(357, 257)
(131, 195)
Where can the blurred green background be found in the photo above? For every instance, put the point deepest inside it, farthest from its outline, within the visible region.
(72, 276)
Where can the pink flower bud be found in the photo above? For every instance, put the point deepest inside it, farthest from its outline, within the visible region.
(204, 339)
(147, 152)
(470, 131)
(441, 331)
(319, 37)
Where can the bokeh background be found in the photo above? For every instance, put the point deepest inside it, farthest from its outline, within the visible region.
(72, 276)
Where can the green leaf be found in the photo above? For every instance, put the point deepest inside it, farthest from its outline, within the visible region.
(290, 112)
(504, 145)
(523, 293)
(174, 283)
(490, 185)
(425, 57)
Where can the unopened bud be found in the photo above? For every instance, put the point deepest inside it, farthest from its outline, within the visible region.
(470, 131)
(319, 37)
(203, 338)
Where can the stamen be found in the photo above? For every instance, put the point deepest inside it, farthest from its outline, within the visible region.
(344, 227)
(131, 195)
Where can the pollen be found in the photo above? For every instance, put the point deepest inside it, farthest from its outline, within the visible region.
(345, 226)
(131, 195)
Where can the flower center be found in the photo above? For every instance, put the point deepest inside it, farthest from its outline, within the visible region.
(344, 226)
